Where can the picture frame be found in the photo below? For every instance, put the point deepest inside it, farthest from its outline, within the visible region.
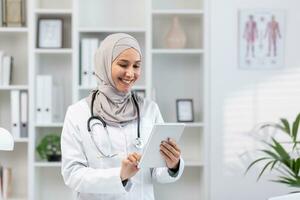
(50, 33)
(140, 93)
(185, 110)
(261, 38)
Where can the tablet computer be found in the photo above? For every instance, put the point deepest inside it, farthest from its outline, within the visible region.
(151, 156)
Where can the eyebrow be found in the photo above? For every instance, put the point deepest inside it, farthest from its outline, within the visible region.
(124, 60)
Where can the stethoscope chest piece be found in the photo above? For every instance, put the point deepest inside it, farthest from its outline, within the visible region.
(138, 143)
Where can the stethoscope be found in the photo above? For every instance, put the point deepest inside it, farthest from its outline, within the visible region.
(138, 143)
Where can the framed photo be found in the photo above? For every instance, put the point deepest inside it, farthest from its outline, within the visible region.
(185, 110)
(140, 93)
(50, 33)
(261, 38)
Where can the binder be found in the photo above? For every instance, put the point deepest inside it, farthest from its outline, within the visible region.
(4, 18)
(15, 113)
(58, 103)
(94, 43)
(24, 114)
(85, 51)
(1, 68)
(1, 182)
(47, 99)
(39, 99)
(44, 99)
(1, 24)
(6, 69)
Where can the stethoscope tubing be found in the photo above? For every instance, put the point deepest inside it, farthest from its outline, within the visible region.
(138, 141)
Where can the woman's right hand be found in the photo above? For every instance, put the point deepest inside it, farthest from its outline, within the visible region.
(129, 166)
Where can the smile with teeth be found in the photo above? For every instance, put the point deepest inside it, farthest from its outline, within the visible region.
(127, 82)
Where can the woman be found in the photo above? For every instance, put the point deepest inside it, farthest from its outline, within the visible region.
(102, 163)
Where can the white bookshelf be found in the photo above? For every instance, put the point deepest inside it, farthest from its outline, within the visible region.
(187, 65)
(148, 21)
(57, 62)
(14, 41)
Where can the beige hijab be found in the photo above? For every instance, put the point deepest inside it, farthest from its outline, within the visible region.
(114, 107)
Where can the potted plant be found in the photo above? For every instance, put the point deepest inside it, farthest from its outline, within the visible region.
(49, 148)
(282, 156)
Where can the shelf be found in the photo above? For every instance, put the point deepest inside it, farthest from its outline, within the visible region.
(14, 87)
(47, 164)
(137, 87)
(193, 163)
(54, 51)
(194, 124)
(17, 198)
(21, 140)
(189, 124)
(13, 29)
(111, 30)
(54, 125)
(177, 51)
(177, 12)
(53, 11)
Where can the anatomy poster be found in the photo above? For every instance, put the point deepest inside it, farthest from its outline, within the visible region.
(261, 39)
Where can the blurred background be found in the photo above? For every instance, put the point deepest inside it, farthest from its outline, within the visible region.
(222, 67)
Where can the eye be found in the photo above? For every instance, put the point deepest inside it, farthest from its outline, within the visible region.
(136, 66)
(122, 65)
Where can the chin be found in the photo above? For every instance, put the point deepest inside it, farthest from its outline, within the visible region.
(124, 90)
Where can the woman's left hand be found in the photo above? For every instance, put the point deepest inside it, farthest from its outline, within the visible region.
(171, 153)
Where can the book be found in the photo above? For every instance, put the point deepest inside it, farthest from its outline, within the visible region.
(94, 43)
(1, 24)
(6, 70)
(4, 12)
(13, 13)
(1, 68)
(7, 182)
(1, 180)
(84, 50)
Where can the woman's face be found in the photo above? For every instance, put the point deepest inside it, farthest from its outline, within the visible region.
(126, 70)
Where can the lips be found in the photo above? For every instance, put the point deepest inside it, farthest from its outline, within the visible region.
(126, 82)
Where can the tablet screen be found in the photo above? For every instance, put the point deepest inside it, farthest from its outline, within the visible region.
(151, 156)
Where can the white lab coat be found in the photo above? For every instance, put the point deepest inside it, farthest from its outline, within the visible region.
(93, 177)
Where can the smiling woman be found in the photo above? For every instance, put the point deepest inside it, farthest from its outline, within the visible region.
(126, 69)
(103, 134)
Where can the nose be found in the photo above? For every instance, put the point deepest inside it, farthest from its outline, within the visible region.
(129, 72)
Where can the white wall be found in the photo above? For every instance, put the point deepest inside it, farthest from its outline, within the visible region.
(240, 99)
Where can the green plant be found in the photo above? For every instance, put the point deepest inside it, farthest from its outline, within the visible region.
(49, 146)
(286, 161)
